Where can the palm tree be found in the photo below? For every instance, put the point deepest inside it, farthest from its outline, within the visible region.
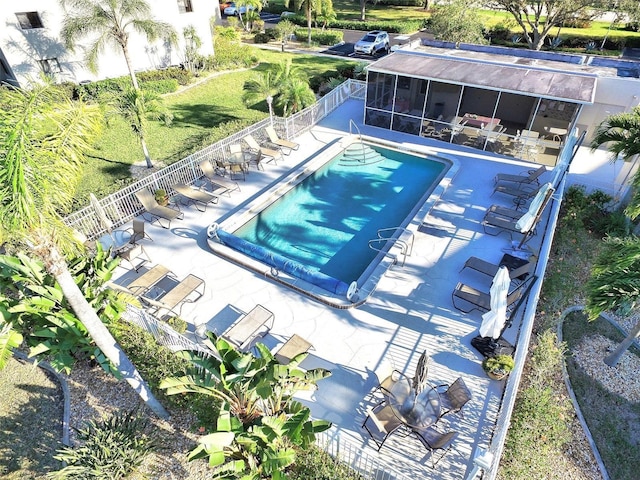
(286, 83)
(622, 132)
(308, 6)
(138, 106)
(42, 141)
(112, 22)
(615, 284)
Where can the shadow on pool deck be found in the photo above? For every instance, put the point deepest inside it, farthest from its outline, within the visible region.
(409, 311)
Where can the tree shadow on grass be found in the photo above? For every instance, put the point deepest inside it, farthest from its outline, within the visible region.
(31, 431)
(202, 115)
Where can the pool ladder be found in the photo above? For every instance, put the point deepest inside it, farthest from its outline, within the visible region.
(364, 153)
(406, 248)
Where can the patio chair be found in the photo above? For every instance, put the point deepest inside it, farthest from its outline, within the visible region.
(294, 346)
(255, 147)
(520, 272)
(520, 192)
(433, 441)
(198, 197)
(480, 300)
(419, 381)
(156, 211)
(531, 176)
(136, 231)
(280, 142)
(148, 280)
(257, 323)
(177, 296)
(387, 376)
(380, 423)
(453, 397)
(219, 185)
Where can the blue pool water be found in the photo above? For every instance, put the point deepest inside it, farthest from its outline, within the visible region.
(326, 222)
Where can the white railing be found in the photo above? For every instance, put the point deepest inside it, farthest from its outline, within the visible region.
(122, 206)
(349, 453)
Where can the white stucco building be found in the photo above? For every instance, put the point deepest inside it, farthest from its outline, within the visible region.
(30, 41)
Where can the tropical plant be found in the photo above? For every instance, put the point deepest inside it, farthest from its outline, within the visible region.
(112, 448)
(41, 311)
(111, 22)
(621, 133)
(309, 7)
(192, 44)
(43, 139)
(285, 83)
(137, 107)
(285, 28)
(325, 14)
(615, 286)
(537, 18)
(256, 421)
(9, 338)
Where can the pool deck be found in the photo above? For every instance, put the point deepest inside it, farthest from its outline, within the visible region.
(410, 310)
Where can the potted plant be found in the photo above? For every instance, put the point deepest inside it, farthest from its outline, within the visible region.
(161, 197)
(498, 367)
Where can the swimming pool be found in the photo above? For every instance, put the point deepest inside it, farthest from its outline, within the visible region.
(319, 225)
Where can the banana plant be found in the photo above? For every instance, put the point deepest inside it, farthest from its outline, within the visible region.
(38, 307)
(258, 421)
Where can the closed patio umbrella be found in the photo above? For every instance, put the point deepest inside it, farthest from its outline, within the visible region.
(493, 321)
(104, 220)
(526, 222)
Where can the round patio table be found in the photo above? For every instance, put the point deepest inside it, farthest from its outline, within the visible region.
(417, 411)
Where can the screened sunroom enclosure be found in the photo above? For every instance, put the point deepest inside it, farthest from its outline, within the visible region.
(511, 111)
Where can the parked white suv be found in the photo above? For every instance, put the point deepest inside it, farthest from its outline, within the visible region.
(372, 43)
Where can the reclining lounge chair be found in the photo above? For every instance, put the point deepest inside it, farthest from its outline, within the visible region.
(156, 211)
(479, 300)
(264, 151)
(276, 140)
(219, 185)
(531, 176)
(198, 197)
(177, 296)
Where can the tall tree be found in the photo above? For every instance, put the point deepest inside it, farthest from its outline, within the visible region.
(286, 83)
(110, 23)
(615, 285)
(308, 7)
(615, 277)
(536, 18)
(621, 132)
(456, 21)
(136, 107)
(43, 138)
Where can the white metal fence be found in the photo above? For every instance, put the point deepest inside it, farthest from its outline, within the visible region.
(122, 206)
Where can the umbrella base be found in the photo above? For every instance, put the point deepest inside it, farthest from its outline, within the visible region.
(490, 347)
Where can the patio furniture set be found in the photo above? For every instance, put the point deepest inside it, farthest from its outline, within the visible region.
(237, 163)
(412, 406)
(520, 264)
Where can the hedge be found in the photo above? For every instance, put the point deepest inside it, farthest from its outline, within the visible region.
(319, 36)
(398, 26)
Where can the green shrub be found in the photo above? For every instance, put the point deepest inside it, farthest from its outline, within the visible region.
(315, 463)
(160, 87)
(593, 212)
(154, 362)
(178, 324)
(346, 71)
(319, 36)
(182, 76)
(316, 81)
(112, 448)
(230, 54)
(262, 38)
(397, 26)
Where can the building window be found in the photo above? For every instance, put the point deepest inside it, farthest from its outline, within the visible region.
(50, 66)
(184, 6)
(29, 20)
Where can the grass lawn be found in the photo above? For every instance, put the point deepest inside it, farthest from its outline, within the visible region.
(197, 110)
(30, 421)
(616, 432)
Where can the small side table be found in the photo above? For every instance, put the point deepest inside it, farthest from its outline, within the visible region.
(133, 252)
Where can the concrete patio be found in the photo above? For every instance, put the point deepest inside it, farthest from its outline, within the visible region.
(410, 311)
